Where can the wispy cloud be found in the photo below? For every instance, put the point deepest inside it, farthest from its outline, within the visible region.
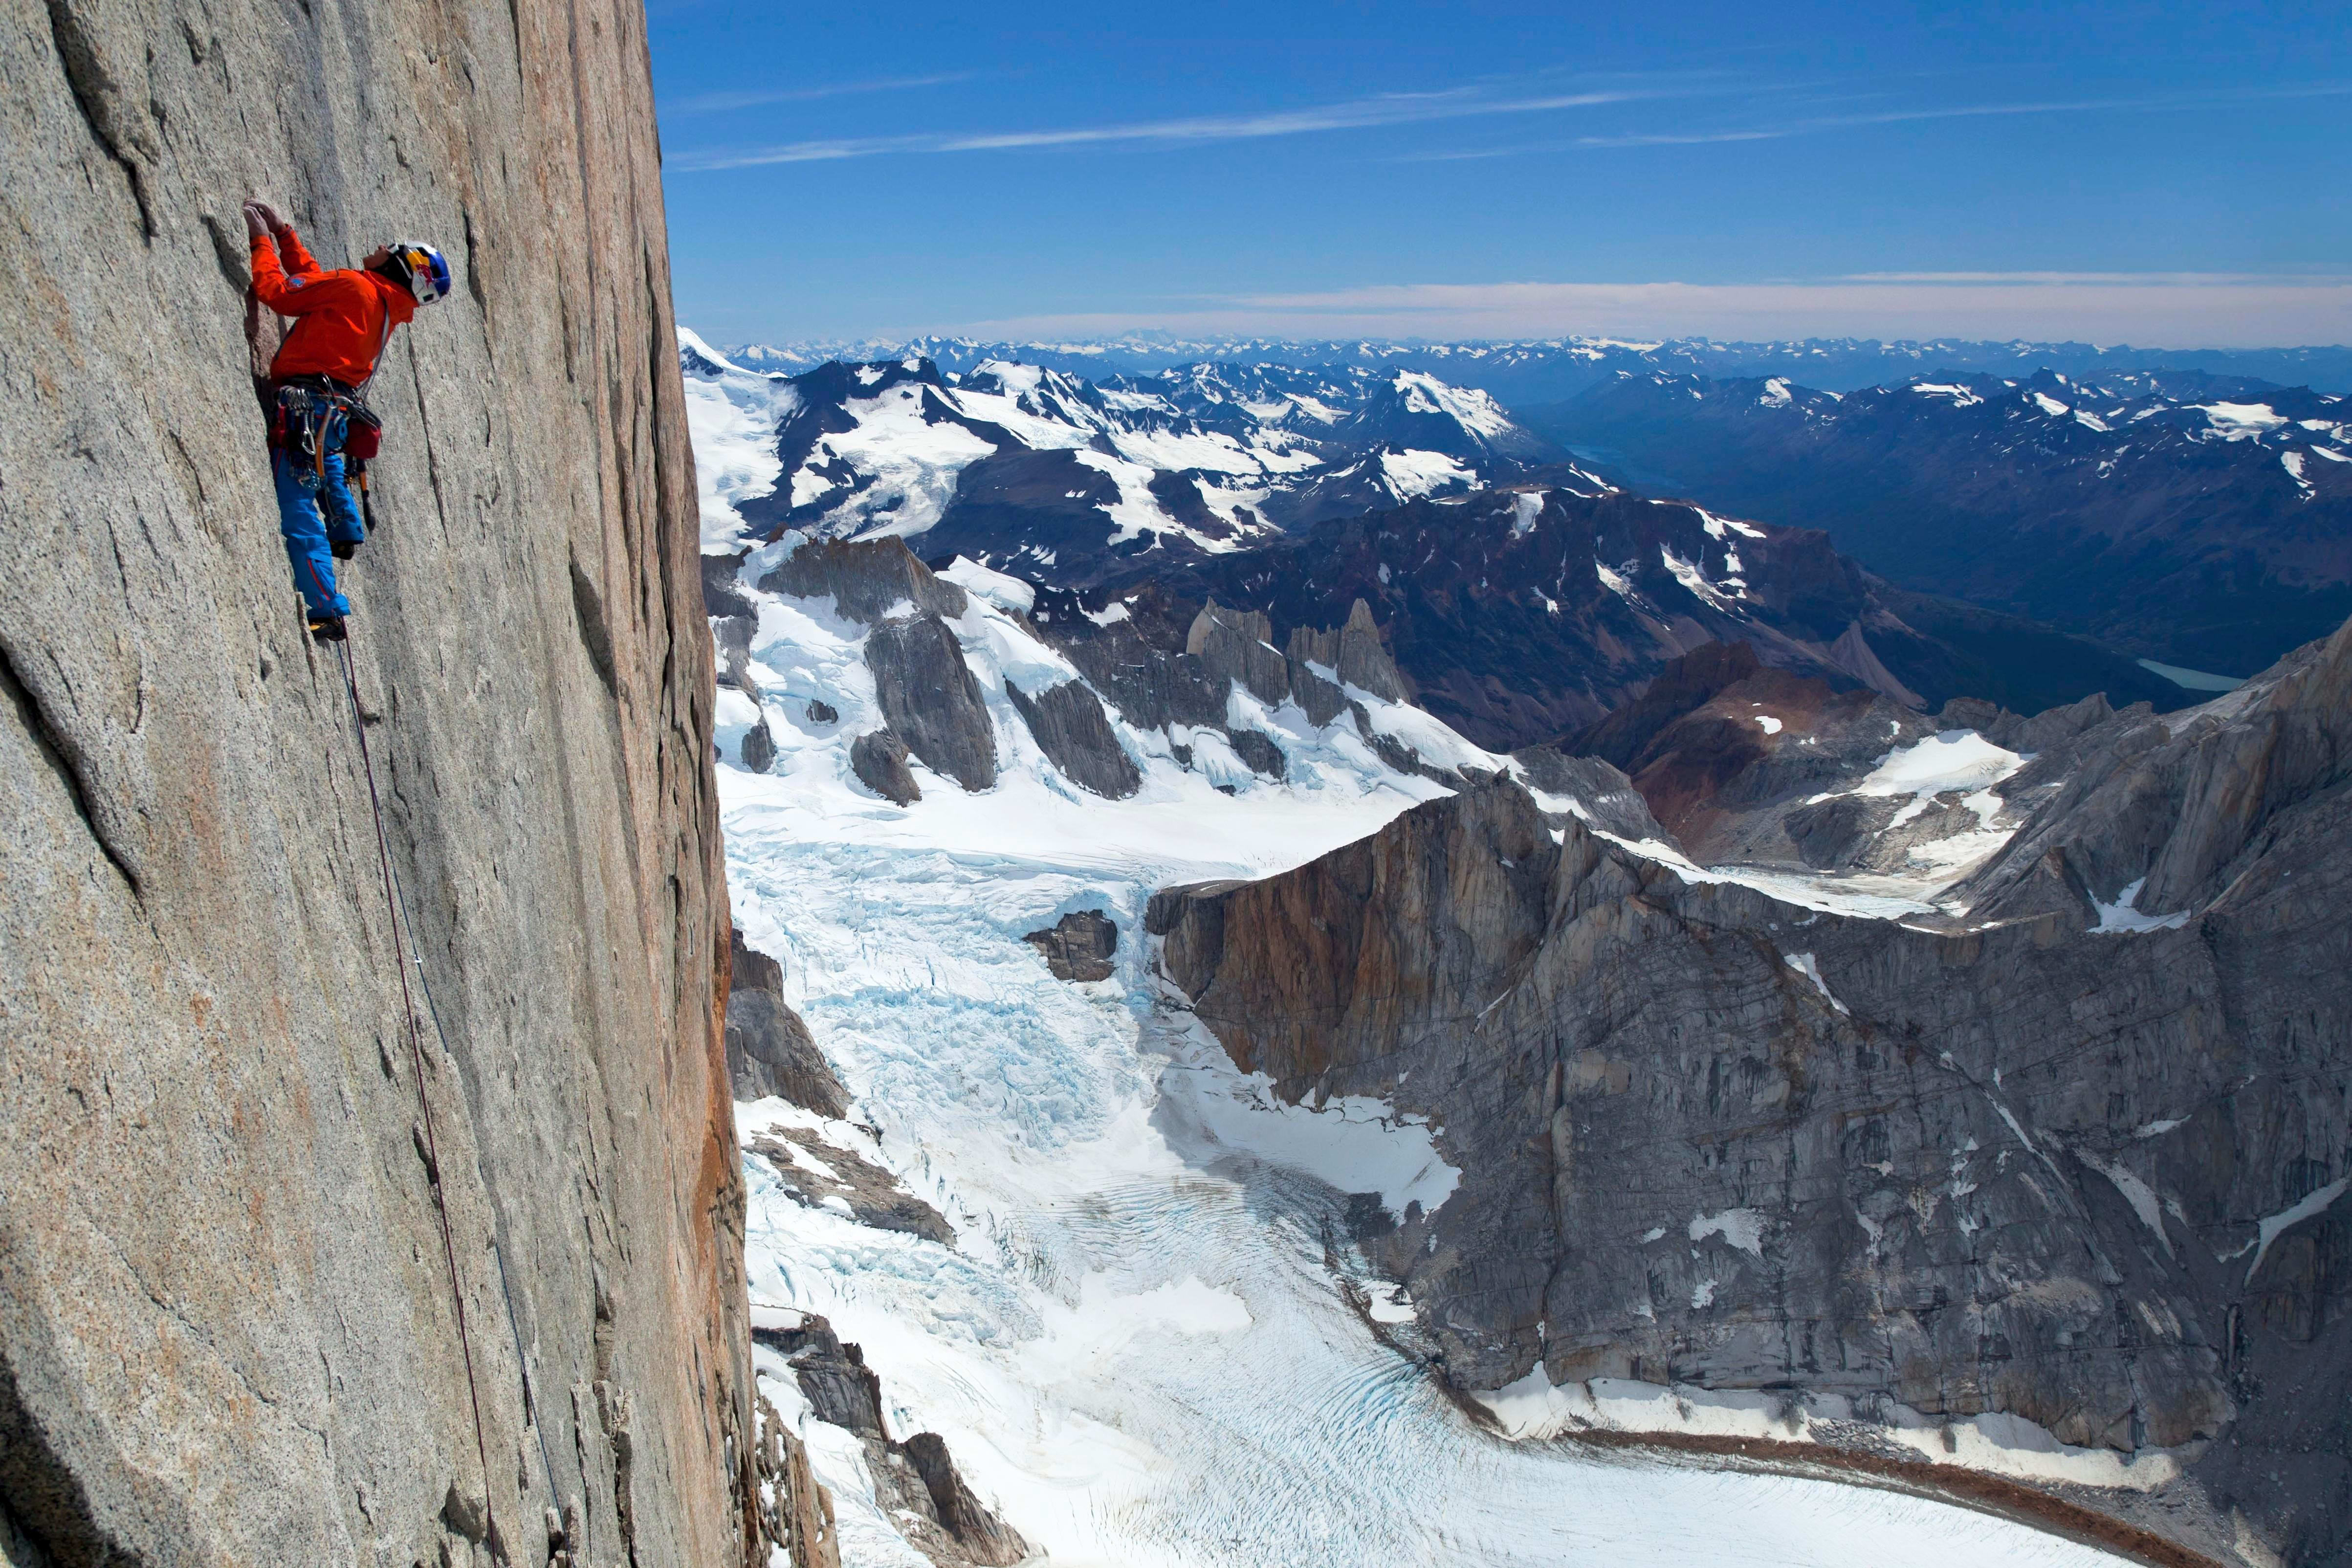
(1812, 125)
(1648, 139)
(2136, 280)
(1403, 109)
(720, 102)
(2177, 310)
(1394, 109)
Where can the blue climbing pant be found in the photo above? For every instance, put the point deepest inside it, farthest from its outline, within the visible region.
(301, 497)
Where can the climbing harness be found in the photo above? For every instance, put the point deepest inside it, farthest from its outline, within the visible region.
(308, 425)
(363, 436)
(316, 415)
(431, 1149)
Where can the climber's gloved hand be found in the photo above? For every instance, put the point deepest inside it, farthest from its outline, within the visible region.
(272, 216)
(257, 221)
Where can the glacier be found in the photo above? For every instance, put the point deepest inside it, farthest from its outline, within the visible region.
(1151, 1343)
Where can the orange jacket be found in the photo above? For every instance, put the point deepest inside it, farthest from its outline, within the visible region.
(341, 319)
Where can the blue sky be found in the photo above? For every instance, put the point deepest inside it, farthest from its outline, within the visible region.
(2160, 174)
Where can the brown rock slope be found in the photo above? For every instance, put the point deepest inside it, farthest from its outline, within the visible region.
(1745, 762)
(2091, 1178)
(227, 1328)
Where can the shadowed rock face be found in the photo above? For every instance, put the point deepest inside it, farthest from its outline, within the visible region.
(915, 1481)
(1079, 946)
(879, 761)
(769, 1049)
(1264, 756)
(931, 700)
(227, 1331)
(2091, 1180)
(1071, 731)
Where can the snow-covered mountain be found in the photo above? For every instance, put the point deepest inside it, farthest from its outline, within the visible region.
(1065, 1240)
(1523, 612)
(1027, 467)
(1107, 1269)
(2197, 520)
(1546, 370)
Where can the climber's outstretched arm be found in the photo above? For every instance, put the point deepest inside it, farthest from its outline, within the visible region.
(281, 285)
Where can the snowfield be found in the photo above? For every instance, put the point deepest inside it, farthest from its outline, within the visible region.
(1135, 1348)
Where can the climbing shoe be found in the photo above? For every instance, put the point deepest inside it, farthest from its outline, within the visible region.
(328, 629)
(343, 549)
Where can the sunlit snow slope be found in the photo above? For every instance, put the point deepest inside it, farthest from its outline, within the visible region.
(1142, 1347)
(1021, 466)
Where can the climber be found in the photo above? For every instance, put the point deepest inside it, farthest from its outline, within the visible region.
(320, 422)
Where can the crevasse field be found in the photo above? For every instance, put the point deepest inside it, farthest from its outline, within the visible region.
(1137, 1348)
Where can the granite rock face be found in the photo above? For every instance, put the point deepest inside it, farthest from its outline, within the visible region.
(1355, 653)
(2080, 1170)
(1165, 666)
(1079, 946)
(915, 1481)
(227, 1326)
(1075, 736)
(879, 761)
(931, 700)
(769, 1049)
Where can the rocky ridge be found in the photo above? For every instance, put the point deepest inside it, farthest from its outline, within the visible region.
(1027, 467)
(2193, 519)
(1744, 763)
(916, 1480)
(1183, 685)
(1524, 614)
(2050, 1186)
(1530, 373)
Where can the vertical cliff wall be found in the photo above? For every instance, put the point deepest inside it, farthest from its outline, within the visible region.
(227, 1328)
(2034, 1164)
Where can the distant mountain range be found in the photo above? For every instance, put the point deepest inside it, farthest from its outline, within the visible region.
(1521, 592)
(1553, 370)
(2200, 521)
(1030, 470)
(1524, 613)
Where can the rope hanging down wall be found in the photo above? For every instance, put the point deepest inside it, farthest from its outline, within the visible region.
(424, 1101)
(557, 1523)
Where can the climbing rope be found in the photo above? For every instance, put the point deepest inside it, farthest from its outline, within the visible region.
(498, 1248)
(424, 1101)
